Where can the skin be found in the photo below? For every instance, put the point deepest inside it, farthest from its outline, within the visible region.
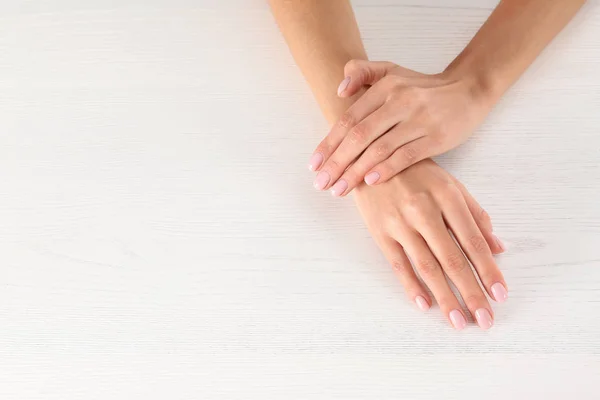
(406, 116)
(409, 215)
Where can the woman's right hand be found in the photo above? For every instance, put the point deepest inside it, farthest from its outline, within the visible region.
(402, 118)
(412, 215)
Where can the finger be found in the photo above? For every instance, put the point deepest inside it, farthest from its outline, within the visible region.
(482, 219)
(430, 271)
(359, 138)
(377, 152)
(405, 156)
(465, 230)
(396, 256)
(456, 266)
(358, 73)
(364, 106)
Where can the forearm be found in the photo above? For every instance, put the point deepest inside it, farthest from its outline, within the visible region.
(509, 41)
(322, 36)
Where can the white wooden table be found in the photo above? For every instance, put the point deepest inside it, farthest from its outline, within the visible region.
(160, 237)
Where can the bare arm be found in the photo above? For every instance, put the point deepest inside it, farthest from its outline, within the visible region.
(407, 116)
(322, 36)
(404, 215)
(510, 40)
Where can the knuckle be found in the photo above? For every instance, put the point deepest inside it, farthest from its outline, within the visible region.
(483, 219)
(394, 95)
(401, 159)
(394, 222)
(415, 94)
(449, 190)
(366, 75)
(346, 120)
(406, 97)
(474, 301)
(358, 134)
(478, 244)
(400, 266)
(415, 201)
(419, 204)
(391, 84)
(426, 267)
(408, 154)
(455, 263)
(382, 149)
(332, 165)
(484, 216)
(323, 148)
(436, 139)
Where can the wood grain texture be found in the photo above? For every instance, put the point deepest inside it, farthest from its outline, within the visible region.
(159, 236)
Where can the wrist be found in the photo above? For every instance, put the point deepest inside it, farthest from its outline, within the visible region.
(481, 83)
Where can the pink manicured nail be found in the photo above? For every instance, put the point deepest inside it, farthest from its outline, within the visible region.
(500, 244)
(343, 85)
(371, 178)
(484, 319)
(321, 180)
(499, 292)
(339, 188)
(458, 320)
(422, 303)
(315, 161)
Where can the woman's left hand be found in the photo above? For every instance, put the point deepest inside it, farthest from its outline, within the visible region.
(426, 216)
(403, 118)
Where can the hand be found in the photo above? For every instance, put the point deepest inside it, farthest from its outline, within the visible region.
(403, 118)
(413, 212)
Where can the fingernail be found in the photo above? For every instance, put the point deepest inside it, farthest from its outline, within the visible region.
(500, 244)
(422, 303)
(371, 178)
(343, 85)
(499, 292)
(315, 161)
(458, 320)
(484, 319)
(321, 180)
(339, 188)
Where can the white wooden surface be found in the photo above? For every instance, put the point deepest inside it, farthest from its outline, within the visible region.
(160, 238)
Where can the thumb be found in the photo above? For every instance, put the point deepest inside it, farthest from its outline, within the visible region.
(359, 73)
